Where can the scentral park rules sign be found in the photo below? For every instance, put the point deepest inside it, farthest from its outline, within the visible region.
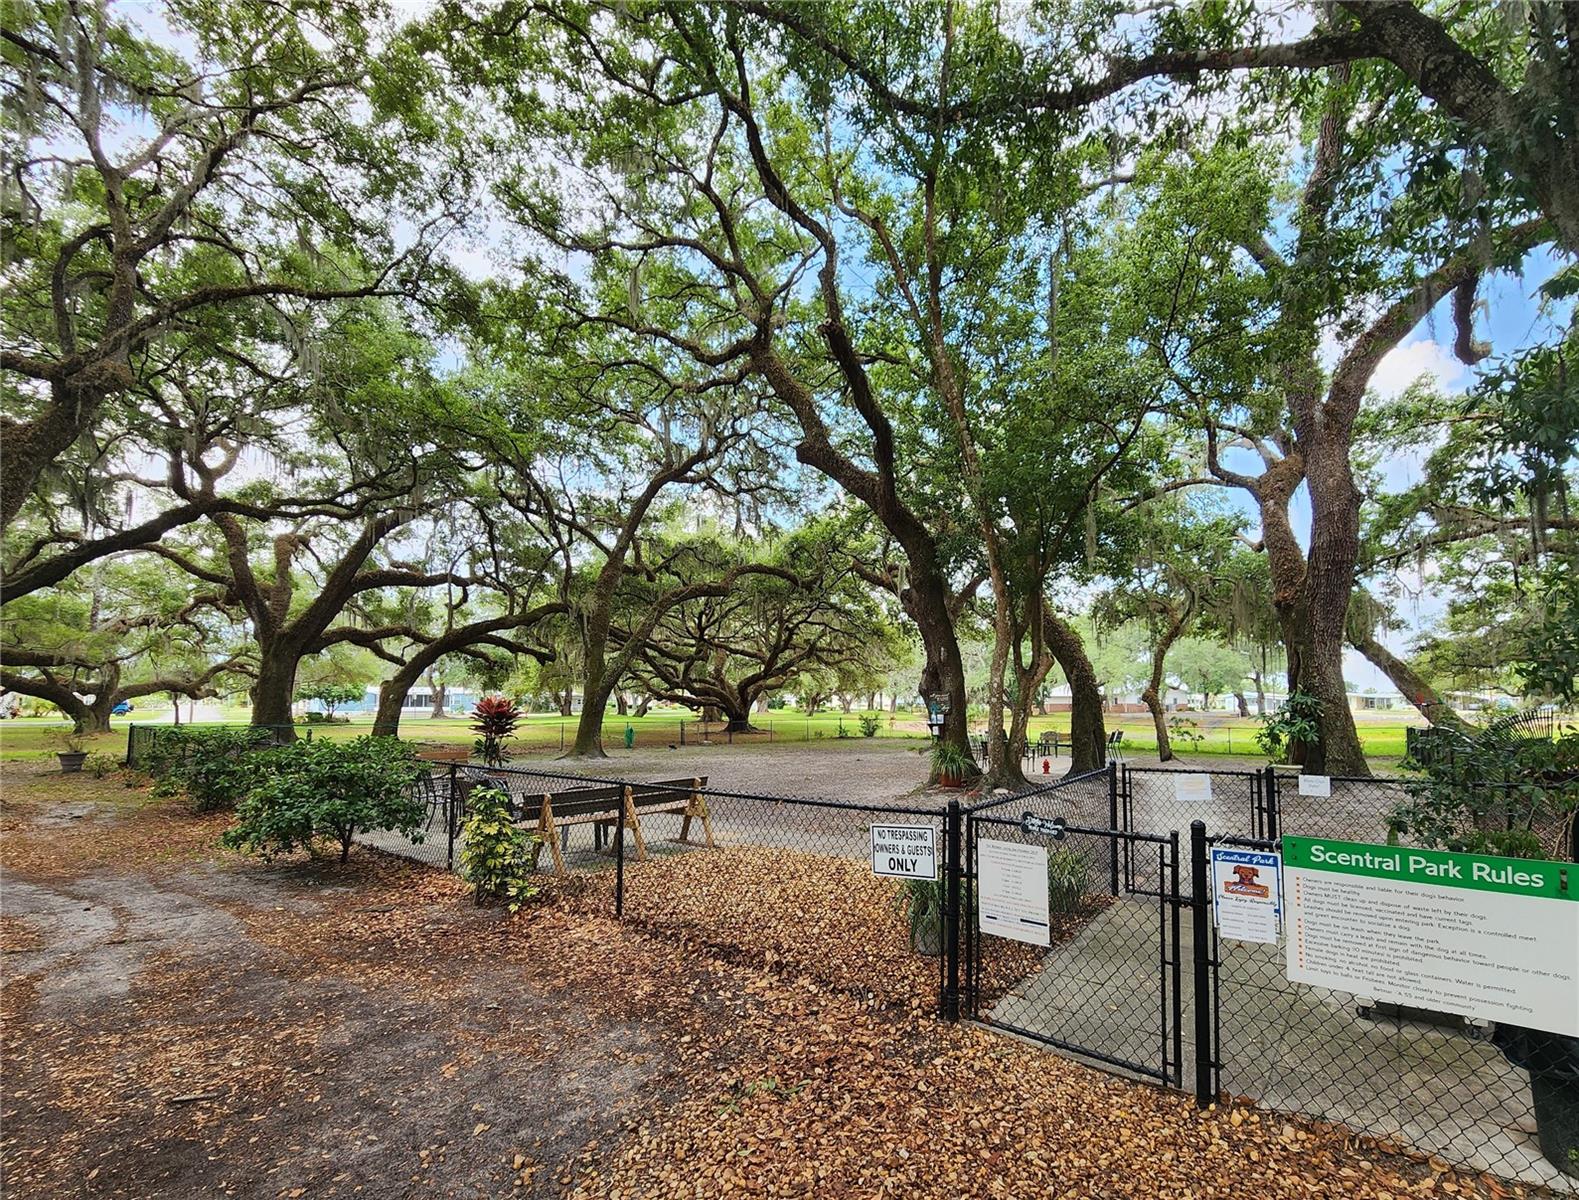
(1491, 938)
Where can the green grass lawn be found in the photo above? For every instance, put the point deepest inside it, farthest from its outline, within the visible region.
(1382, 736)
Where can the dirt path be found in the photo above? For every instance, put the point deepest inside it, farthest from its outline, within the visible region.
(231, 1029)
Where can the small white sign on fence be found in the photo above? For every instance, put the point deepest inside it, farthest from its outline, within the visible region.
(1315, 785)
(1011, 891)
(1192, 789)
(905, 851)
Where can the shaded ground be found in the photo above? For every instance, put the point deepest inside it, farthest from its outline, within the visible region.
(181, 1023)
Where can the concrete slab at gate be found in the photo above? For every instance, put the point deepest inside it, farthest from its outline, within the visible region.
(1287, 1047)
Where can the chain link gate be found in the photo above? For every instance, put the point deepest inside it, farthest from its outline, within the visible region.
(1161, 800)
(1108, 986)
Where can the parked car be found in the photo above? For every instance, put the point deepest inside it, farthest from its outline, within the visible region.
(121, 709)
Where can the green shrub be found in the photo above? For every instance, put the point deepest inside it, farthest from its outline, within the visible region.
(870, 726)
(1184, 729)
(1493, 791)
(1068, 875)
(922, 903)
(213, 767)
(950, 764)
(1294, 724)
(101, 765)
(329, 790)
(497, 855)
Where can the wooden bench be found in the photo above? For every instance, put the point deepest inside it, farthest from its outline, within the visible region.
(601, 807)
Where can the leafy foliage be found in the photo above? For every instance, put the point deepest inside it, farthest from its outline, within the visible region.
(1296, 722)
(494, 719)
(870, 725)
(1499, 790)
(1186, 730)
(213, 768)
(951, 764)
(329, 790)
(922, 902)
(1068, 878)
(101, 766)
(498, 854)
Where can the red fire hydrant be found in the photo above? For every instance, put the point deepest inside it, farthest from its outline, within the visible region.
(1046, 765)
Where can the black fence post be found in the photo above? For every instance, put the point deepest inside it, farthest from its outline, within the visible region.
(951, 913)
(1174, 959)
(131, 732)
(1274, 817)
(451, 817)
(1112, 820)
(619, 857)
(1200, 886)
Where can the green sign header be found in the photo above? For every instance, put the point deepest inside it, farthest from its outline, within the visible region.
(1477, 872)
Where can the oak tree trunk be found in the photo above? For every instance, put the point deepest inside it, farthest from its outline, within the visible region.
(1410, 683)
(1087, 731)
(1159, 721)
(274, 687)
(386, 717)
(1322, 613)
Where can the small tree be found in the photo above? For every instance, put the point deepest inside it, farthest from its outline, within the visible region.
(493, 720)
(1293, 725)
(325, 789)
(330, 695)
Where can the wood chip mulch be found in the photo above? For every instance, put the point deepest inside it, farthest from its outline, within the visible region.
(824, 917)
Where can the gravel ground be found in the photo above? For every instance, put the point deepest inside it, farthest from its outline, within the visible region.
(858, 771)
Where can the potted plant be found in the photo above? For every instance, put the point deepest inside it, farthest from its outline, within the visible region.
(951, 765)
(921, 903)
(73, 754)
(1067, 877)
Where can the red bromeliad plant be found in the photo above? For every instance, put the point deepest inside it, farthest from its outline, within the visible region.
(494, 719)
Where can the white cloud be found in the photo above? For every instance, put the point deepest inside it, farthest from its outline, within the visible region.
(1409, 362)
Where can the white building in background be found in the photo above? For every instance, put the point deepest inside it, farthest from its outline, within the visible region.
(458, 701)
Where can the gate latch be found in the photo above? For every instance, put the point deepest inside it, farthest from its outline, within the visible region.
(1041, 825)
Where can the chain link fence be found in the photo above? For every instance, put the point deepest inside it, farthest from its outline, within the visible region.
(1133, 973)
(1488, 1096)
